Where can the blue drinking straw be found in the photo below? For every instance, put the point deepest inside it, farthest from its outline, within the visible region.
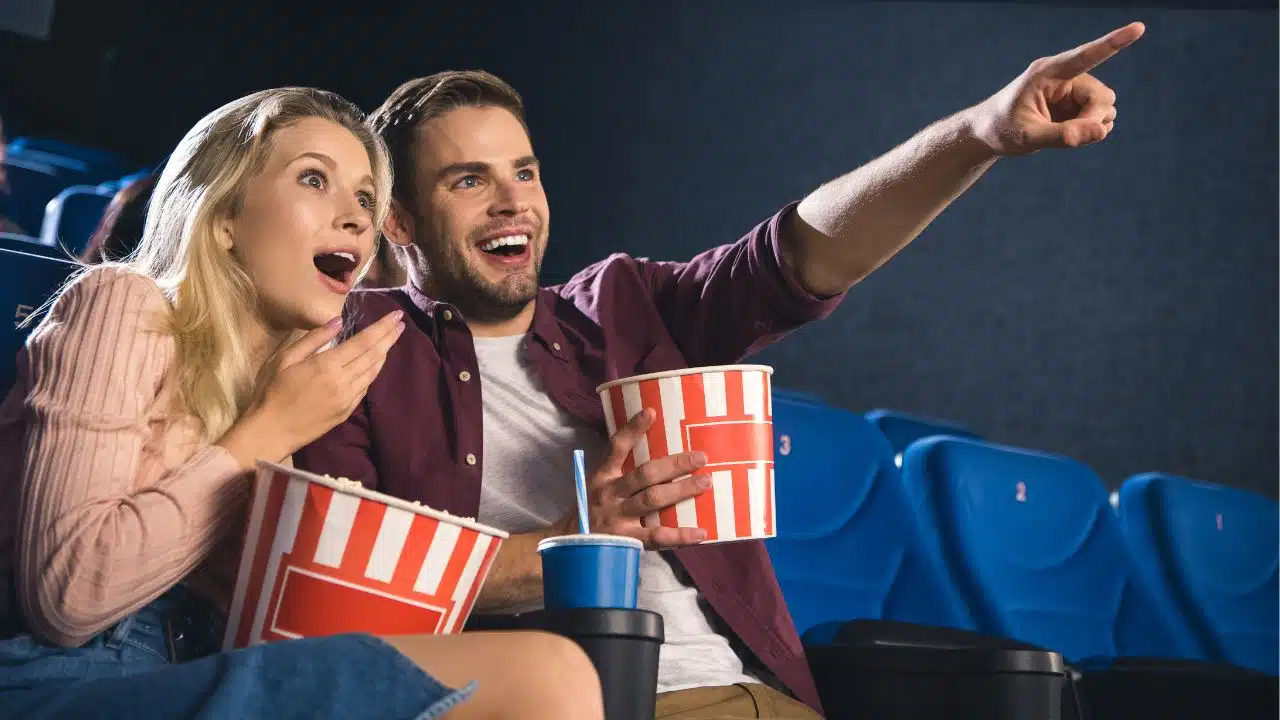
(580, 477)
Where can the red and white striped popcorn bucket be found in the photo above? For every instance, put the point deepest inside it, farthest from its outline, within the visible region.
(324, 556)
(727, 413)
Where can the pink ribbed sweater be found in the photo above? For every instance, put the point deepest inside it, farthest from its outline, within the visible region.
(108, 497)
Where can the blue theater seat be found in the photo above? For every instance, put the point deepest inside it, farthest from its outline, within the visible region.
(72, 216)
(31, 186)
(798, 395)
(100, 164)
(1213, 550)
(29, 275)
(848, 546)
(29, 245)
(1037, 553)
(902, 429)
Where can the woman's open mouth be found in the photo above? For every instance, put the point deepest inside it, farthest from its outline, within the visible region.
(337, 268)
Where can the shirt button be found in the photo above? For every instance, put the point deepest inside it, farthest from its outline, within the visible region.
(464, 376)
(555, 346)
(471, 459)
(448, 315)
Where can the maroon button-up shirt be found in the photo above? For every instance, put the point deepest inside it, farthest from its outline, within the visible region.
(418, 433)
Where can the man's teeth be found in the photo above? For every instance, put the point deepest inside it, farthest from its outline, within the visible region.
(349, 257)
(494, 244)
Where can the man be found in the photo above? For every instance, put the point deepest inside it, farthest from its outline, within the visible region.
(483, 399)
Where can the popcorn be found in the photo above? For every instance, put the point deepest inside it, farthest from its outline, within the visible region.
(349, 484)
(345, 482)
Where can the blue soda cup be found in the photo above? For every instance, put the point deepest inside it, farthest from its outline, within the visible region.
(590, 571)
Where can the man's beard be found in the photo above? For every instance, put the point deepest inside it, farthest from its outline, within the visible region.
(449, 278)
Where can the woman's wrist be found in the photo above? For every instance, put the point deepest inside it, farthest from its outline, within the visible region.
(253, 438)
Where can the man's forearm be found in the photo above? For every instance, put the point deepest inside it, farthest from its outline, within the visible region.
(850, 226)
(515, 577)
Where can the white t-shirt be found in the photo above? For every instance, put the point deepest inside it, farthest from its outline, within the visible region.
(528, 485)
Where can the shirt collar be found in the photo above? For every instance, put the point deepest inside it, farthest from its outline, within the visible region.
(544, 327)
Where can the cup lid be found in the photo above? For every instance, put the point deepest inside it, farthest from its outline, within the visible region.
(590, 539)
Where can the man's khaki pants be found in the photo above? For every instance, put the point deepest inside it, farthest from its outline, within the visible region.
(745, 700)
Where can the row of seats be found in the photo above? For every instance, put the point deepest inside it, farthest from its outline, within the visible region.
(1015, 543)
(933, 586)
(58, 191)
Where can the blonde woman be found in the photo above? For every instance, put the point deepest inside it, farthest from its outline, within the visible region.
(143, 400)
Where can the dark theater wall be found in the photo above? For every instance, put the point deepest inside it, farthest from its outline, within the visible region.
(1117, 304)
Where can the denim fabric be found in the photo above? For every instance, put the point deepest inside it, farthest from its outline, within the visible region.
(124, 673)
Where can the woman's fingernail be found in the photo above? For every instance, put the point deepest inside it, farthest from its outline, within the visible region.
(699, 458)
(397, 314)
(334, 323)
(702, 481)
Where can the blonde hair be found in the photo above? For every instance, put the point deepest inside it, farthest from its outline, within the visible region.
(203, 183)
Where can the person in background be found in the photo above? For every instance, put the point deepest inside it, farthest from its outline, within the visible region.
(144, 399)
(387, 269)
(120, 230)
(6, 225)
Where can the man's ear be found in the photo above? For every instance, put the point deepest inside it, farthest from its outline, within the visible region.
(398, 227)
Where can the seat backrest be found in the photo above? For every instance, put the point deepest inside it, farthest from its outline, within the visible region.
(902, 429)
(31, 187)
(798, 395)
(28, 278)
(93, 161)
(847, 545)
(1213, 550)
(1037, 552)
(72, 216)
(30, 246)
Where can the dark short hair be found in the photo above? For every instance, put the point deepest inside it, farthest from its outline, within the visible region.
(398, 119)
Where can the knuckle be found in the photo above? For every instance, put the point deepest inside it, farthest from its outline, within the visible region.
(691, 488)
(603, 493)
(1020, 137)
(649, 474)
(651, 497)
(620, 486)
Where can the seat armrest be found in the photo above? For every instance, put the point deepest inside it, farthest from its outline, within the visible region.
(889, 645)
(881, 668)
